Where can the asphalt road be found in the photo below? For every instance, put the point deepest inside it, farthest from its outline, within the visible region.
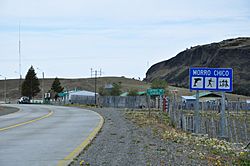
(41, 135)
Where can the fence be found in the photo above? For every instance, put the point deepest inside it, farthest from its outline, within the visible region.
(182, 114)
(112, 101)
(82, 99)
(237, 119)
(123, 102)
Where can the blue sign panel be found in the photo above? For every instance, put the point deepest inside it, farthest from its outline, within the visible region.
(212, 79)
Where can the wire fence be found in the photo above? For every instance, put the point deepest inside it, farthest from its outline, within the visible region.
(237, 120)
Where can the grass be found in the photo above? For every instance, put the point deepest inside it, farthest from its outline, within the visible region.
(216, 152)
(71, 84)
(88, 84)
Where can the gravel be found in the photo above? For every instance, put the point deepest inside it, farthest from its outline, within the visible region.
(123, 143)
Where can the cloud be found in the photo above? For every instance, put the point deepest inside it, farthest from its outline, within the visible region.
(69, 37)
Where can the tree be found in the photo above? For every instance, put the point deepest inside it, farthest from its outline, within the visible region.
(133, 92)
(56, 87)
(30, 86)
(116, 90)
(159, 84)
(102, 91)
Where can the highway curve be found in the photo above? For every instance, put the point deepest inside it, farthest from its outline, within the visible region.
(45, 135)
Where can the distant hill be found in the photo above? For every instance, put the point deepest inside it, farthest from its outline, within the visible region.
(71, 84)
(231, 53)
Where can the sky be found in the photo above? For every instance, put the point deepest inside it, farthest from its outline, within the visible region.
(66, 38)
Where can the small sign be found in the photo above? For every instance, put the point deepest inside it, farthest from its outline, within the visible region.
(213, 79)
(197, 82)
(155, 92)
(211, 83)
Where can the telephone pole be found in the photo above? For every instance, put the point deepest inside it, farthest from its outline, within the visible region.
(95, 80)
(42, 84)
(5, 89)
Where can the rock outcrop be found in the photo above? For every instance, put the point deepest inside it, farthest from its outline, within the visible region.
(231, 53)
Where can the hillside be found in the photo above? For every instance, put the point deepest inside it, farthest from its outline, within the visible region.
(231, 53)
(71, 84)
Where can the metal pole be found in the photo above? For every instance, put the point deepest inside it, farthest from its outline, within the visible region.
(20, 60)
(43, 88)
(42, 83)
(95, 84)
(197, 115)
(5, 90)
(161, 108)
(222, 115)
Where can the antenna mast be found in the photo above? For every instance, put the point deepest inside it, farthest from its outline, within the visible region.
(19, 53)
(19, 50)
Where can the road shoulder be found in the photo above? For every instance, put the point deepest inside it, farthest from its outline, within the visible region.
(4, 110)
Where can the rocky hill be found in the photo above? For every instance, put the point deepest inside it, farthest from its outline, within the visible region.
(231, 53)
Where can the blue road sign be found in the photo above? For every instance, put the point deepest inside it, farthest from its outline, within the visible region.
(212, 79)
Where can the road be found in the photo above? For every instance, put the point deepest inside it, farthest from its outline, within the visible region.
(41, 135)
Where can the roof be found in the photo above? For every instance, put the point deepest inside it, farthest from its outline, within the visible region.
(188, 97)
(124, 94)
(138, 93)
(78, 93)
(82, 93)
(207, 94)
(62, 94)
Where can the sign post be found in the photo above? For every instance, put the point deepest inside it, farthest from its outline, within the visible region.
(211, 79)
(223, 115)
(197, 114)
(157, 92)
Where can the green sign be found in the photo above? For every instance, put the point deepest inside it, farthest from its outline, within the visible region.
(155, 92)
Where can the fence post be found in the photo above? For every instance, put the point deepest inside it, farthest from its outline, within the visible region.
(235, 131)
(161, 108)
(230, 128)
(245, 126)
(184, 123)
(213, 127)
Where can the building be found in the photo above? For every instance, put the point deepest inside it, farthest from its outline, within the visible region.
(79, 97)
(208, 96)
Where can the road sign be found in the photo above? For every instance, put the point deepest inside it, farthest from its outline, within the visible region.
(212, 79)
(155, 92)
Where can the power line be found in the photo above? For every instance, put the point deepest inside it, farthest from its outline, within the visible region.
(95, 72)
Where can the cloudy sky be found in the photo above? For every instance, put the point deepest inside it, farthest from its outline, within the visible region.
(66, 38)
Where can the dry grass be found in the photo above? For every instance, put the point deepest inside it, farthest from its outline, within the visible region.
(216, 152)
(88, 84)
(71, 84)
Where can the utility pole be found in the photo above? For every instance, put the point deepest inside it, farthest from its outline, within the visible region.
(19, 53)
(5, 89)
(95, 85)
(42, 84)
(95, 79)
(91, 71)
